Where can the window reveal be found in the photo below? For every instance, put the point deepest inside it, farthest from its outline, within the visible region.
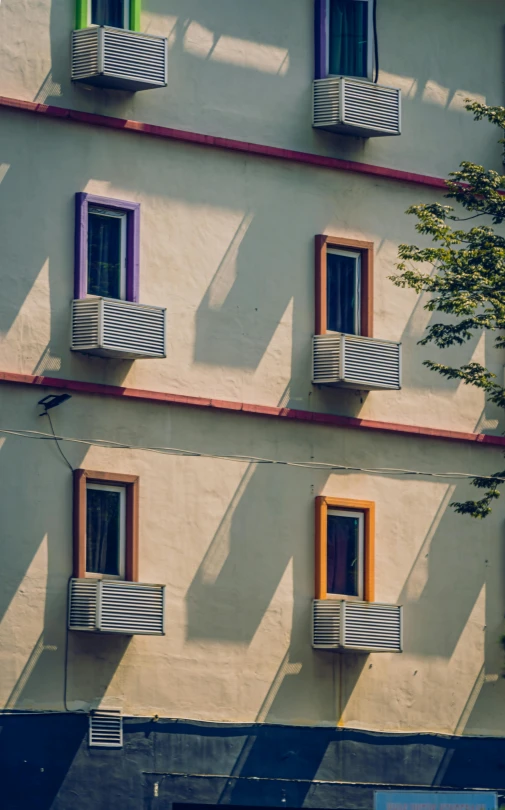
(106, 252)
(345, 553)
(105, 529)
(348, 38)
(343, 292)
(114, 13)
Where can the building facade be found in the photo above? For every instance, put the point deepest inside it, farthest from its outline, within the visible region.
(236, 577)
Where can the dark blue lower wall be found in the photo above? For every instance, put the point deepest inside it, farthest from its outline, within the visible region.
(45, 763)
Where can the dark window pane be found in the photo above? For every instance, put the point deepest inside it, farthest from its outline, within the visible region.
(104, 255)
(343, 551)
(348, 37)
(102, 531)
(108, 12)
(341, 293)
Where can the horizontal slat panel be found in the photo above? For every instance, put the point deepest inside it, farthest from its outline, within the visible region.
(131, 60)
(372, 626)
(365, 626)
(354, 105)
(106, 729)
(129, 329)
(84, 53)
(128, 54)
(368, 363)
(125, 607)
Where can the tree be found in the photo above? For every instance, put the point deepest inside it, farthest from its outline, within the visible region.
(467, 279)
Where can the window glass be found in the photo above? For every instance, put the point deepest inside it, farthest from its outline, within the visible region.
(104, 529)
(109, 12)
(343, 272)
(106, 253)
(344, 553)
(348, 45)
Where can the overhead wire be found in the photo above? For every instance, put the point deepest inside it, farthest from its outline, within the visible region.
(246, 459)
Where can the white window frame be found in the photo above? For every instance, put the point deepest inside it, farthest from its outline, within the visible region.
(361, 553)
(123, 216)
(126, 15)
(122, 530)
(369, 55)
(353, 254)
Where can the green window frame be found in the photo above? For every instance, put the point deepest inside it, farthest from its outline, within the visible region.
(81, 14)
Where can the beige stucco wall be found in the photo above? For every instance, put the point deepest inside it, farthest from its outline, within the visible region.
(234, 544)
(227, 247)
(245, 71)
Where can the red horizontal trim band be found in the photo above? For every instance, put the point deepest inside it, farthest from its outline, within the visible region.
(307, 158)
(329, 419)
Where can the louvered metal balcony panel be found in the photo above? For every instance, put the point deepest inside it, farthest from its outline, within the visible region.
(353, 361)
(82, 604)
(118, 58)
(114, 606)
(372, 626)
(353, 106)
(326, 624)
(338, 624)
(106, 729)
(122, 329)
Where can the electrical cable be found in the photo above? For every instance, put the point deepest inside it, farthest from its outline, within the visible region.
(376, 41)
(248, 459)
(67, 462)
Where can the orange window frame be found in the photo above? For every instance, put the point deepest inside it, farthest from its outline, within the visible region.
(321, 564)
(366, 250)
(131, 485)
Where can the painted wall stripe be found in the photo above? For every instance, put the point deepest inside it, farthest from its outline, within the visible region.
(305, 158)
(329, 419)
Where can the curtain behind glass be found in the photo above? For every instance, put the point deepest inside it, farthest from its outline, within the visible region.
(341, 293)
(102, 531)
(348, 37)
(342, 555)
(104, 255)
(108, 12)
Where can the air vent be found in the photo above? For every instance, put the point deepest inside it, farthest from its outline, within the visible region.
(338, 624)
(122, 329)
(356, 107)
(106, 729)
(114, 606)
(352, 361)
(117, 58)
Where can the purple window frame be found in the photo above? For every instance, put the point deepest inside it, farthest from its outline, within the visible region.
(132, 210)
(321, 20)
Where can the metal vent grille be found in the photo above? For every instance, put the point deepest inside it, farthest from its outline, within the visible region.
(326, 624)
(370, 626)
(114, 57)
(82, 604)
(338, 624)
(113, 606)
(356, 362)
(106, 729)
(122, 329)
(84, 54)
(356, 107)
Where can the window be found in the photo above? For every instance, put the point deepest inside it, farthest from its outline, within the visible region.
(105, 525)
(344, 549)
(344, 289)
(110, 12)
(105, 529)
(107, 248)
(343, 38)
(115, 13)
(106, 252)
